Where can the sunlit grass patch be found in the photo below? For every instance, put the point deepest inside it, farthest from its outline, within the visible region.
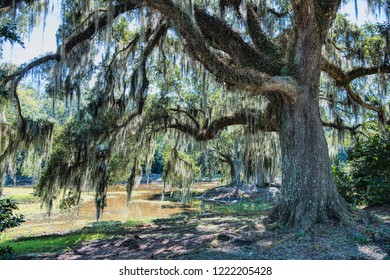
(245, 207)
(24, 198)
(60, 243)
(50, 244)
(138, 222)
(20, 195)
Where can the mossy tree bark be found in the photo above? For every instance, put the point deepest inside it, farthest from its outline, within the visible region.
(309, 195)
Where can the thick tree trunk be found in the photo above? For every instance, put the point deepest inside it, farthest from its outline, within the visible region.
(309, 195)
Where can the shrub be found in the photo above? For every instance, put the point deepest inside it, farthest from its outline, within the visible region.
(365, 178)
(7, 218)
(6, 252)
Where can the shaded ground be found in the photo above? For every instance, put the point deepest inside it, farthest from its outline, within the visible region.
(233, 237)
(222, 230)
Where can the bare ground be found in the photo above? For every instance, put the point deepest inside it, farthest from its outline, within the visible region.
(238, 237)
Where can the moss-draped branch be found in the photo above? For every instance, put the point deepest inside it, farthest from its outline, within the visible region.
(245, 79)
(343, 79)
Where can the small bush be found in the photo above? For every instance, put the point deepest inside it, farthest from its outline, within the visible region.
(7, 218)
(6, 252)
(365, 178)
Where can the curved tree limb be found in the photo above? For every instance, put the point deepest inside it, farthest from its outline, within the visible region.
(78, 36)
(366, 71)
(248, 80)
(219, 35)
(344, 80)
(259, 38)
(19, 74)
(341, 126)
(88, 31)
(23, 69)
(188, 114)
(7, 5)
(256, 121)
(355, 97)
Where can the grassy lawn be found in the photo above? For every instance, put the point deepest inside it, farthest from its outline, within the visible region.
(20, 195)
(57, 243)
(50, 244)
(242, 208)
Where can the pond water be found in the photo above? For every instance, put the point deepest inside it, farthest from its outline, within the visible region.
(145, 204)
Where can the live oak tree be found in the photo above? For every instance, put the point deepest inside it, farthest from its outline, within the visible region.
(271, 52)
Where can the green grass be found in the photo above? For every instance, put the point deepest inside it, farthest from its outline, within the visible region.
(24, 198)
(245, 207)
(60, 243)
(360, 237)
(50, 244)
(20, 195)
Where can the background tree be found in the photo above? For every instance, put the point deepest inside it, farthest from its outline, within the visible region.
(122, 45)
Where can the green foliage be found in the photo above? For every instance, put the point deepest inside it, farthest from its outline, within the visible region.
(6, 252)
(300, 234)
(118, 169)
(360, 237)
(365, 178)
(24, 198)
(37, 106)
(180, 169)
(8, 32)
(52, 244)
(121, 31)
(158, 161)
(365, 43)
(7, 218)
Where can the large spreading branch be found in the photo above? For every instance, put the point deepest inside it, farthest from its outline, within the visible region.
(219, 35)
(255, 120)
(340, 126)
(90, 29)
(344, 79)
(25, 68)
(8, 5)
(247, 80)
(80, 35)
(259, 38)
(366, 71)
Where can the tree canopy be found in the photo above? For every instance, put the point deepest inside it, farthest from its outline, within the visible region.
(249, 83)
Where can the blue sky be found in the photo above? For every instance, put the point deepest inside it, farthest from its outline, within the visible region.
(38, 44)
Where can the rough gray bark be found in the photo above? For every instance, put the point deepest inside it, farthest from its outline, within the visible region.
(309, 195)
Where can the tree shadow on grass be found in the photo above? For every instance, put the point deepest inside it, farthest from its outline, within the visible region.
(228, 236)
